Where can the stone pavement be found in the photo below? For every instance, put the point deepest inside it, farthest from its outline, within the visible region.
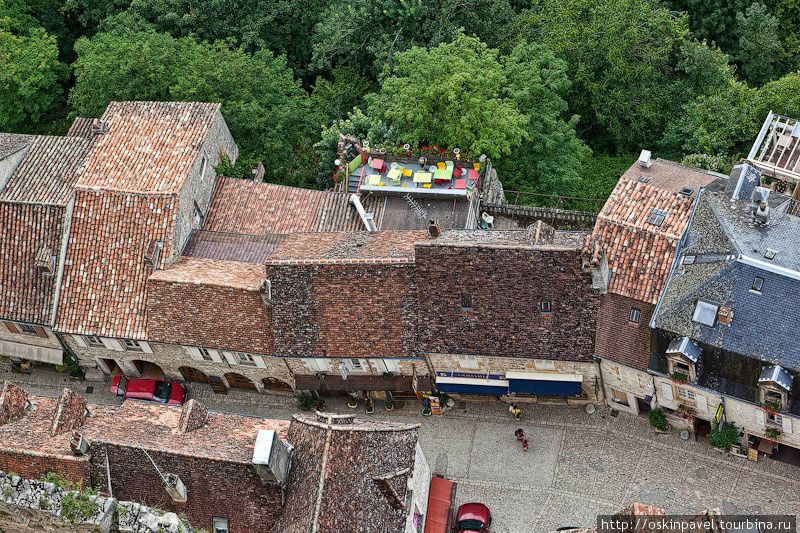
(578, 466)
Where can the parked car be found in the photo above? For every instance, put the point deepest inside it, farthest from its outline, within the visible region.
(167, 392)
(473, 518)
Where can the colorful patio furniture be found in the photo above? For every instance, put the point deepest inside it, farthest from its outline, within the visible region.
(441, 166)
(457, 171)
(373, 179)
(396, 175)
(379, 165)
(443, 176)
(476, 166)
(426, 185)
(422, 177)
(473, 175)
(407, 172)
(461, 183)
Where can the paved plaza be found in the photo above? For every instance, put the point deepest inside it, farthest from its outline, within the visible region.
(578, 466)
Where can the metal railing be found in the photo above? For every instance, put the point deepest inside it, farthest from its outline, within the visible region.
(553, 201)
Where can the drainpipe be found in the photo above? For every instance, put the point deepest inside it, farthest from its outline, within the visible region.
(602, 383)
(366, 218)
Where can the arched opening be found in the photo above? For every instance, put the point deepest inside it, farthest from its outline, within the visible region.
(193, 375)
(274, 384)
(148, 370)
(238, 381)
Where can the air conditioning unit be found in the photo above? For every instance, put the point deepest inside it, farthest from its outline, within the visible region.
(644, 159)
(175, 488)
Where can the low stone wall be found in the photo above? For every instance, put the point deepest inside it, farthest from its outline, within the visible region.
(28, 505)
(538, 212)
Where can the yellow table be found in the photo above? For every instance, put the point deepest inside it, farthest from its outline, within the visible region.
(373, 179)
(422, 177)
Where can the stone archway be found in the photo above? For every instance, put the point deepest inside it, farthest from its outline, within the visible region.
(148, 370)
(274, 384)
(238, 381)
(194, 375)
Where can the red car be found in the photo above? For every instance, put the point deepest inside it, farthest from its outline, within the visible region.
(167, 392)
(473, 518)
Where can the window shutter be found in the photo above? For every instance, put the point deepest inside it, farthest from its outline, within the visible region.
(381, 365)
(702, 404)
(230, 358)
(392, 365)
(40, 331)
(79, 341)
(215, 356)
(666, 392)
(761, 417)
(145, 347)
(323, 364)
(11, 327)
(310, 364)
(787, 425)
(259, 361)
(194, 353)
(111, 344)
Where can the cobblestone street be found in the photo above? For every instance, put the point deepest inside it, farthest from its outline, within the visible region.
(579, 465)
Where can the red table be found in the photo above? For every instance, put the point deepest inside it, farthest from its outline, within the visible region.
(461, 183)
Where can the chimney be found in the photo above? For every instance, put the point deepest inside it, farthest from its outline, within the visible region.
(644, 159)
(152, 254)
(99, 127)
(258, 172)
(13, 402)
(271, 457)
(760, 207)
(45, 261)
(70, 413)
(724, 315)
(749, 178)
(193, 416)
(433, 229)
(266, 293)
(78, 444)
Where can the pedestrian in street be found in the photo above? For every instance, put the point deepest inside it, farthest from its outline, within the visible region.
(524, 445)
(520, 434)
(516, 411)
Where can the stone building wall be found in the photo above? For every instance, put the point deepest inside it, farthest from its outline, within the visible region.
(626, 384)
(48, 341)
(506, 286)
(370, 378)
(214, 488)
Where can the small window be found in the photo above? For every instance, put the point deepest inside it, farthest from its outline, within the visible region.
(758, 284)
(655, 219)
(686, 191)
(643, 179)
(619, 396)
(220, 525)
(686, 394)
(356, 365)
(466, 301)
(27, 330)
(770, 254)
(132, 345)
(198, 214)
(203, 165)
(93, 340)
(545, 307)
(635, 315)
(206, 354)
(245, 359)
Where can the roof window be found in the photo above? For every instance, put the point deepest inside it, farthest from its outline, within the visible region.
(686, 191)
(655, 219)
(643, 179)
(705, 313)
(758, 284)
(689, 259)
(770, 254)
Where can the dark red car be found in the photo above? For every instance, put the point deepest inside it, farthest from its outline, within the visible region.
(473, 518)
(167, 392)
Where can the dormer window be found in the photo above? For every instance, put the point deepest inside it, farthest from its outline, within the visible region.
(774, 385)
(682, 356)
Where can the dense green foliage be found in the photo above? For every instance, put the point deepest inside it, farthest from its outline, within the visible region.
(658, 419)
(532, 83)
(724, 437)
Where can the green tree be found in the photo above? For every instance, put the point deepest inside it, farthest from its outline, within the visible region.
(621, 56)
(30, 72)
(788, 15)
(760, 51)
(781, 96)
(333, 99)
(264, 106)
(712, 20)
(452, 95)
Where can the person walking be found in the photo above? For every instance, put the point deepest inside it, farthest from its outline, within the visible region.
(524, 445)
(516, 411)
(520, 434)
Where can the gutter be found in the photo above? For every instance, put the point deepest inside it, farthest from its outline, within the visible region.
(369, 222)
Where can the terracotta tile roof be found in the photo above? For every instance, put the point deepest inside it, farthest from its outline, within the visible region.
(244, 206)
(639, 253)
(150, 147)
(155, 427)
(341, 247)
(81, 127)
(48, 172)
(181, 299)
(331, 483)
(13, 142)
(105, 274)
(232, 246)
(25, 230)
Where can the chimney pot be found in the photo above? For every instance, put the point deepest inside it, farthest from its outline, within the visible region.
(433, 229)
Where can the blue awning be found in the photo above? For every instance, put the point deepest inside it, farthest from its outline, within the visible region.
(544, 383)
(491, 387)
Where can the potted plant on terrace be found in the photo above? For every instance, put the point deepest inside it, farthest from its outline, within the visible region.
(679, 377)
(368, 407)
(321, 376)
(658, 420)
(686, 412)
(725, 437)
(773, 434)
(388, 375)
(771, 407)
(352, 403)
(388, 405)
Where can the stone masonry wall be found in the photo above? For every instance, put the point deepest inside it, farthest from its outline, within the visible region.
(506, 286)
(13, 401)
(24, 338)
(214, 488)
(634, 383)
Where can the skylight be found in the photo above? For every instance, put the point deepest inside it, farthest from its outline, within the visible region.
(705, 313)
(655, 219)
(770, 254)
(643, 179)
(689, 259)
(686, 191)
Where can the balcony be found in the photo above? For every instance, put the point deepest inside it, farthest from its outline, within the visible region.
(456, 181)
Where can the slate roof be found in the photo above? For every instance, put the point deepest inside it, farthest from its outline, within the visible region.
(105, 275)
(150, 147)
(331, 485)
(778, 375)
(224, 437)
(25, 229)
(48, 172)
(11, 143)
(764, 324)
(639, 254)
(245, 206)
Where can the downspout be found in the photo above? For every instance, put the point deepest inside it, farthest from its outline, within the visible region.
(602, 382)
(368, 221)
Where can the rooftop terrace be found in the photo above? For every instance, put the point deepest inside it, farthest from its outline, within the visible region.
(448, 180)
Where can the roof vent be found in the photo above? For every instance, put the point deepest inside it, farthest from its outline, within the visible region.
(644, 159)
(153, 253)
(686, 191)
(689, 259)
(175, 487)
(433, 229)
(45, 261)
(99, 127)
(78, 444)
(643, 179)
